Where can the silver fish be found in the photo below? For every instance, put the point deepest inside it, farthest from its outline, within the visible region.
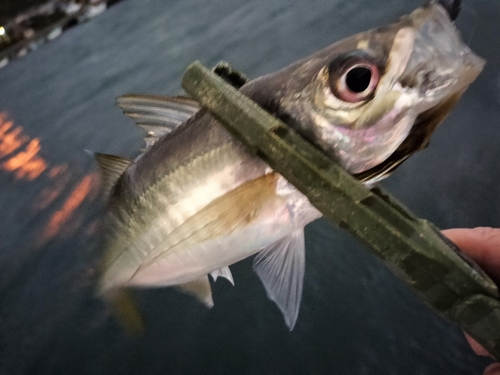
(195, 202)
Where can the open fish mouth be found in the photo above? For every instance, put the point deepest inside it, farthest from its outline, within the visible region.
(440, 69)
(440, 64)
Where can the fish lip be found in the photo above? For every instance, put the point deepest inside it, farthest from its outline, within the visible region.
(472, 67)
(456, 66)
(441, 64)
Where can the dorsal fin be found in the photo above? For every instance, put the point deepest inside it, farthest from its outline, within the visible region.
(157, 115)
(112, 167)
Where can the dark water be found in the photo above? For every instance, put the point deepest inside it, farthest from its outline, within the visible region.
(356, 318)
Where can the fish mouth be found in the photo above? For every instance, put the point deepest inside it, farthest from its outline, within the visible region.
(440, 69)
(440, 64)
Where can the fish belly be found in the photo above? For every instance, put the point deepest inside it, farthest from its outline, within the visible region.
(183, 264)
(184, 211)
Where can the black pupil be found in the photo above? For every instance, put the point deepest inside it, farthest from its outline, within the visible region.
(358, 79)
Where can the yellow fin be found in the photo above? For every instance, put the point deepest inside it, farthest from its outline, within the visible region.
(200, 289)
(125, 309)
(112, 167)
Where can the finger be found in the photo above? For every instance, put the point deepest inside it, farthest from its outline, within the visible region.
(493, 369)
(482, 244)
(476, 347)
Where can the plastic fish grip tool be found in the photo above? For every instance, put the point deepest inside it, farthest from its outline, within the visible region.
(412, 247)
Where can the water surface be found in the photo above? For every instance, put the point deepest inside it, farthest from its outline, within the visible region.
(356, 318)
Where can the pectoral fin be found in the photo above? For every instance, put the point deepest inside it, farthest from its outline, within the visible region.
(112, 167)
(200, 289)
(281, 268)
(222, 272)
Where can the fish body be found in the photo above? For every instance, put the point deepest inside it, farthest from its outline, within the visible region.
(196, 201)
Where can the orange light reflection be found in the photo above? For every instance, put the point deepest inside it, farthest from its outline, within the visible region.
(26, 164)
(20, 155)
(76, 198)
(51, 193)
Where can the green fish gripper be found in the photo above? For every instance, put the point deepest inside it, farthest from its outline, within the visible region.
(412, 247)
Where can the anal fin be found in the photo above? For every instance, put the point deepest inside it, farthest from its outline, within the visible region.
(222, 272)
(200, 289)
(281, 267)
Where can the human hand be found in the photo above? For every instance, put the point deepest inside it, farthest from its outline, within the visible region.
(483, 245)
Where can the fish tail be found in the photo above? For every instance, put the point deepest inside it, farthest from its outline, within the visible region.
(124, 308)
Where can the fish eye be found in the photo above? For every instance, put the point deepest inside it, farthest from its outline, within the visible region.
(354, 78)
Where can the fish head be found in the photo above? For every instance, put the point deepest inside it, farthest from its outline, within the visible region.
(373, 99)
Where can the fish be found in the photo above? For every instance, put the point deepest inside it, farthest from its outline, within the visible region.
(195, 201)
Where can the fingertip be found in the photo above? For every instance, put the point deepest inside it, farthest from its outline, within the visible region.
(481, 243)
(476, 347)
(478, 234)
(493, 369)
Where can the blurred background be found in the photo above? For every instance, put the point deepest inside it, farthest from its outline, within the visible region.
(62, 70)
